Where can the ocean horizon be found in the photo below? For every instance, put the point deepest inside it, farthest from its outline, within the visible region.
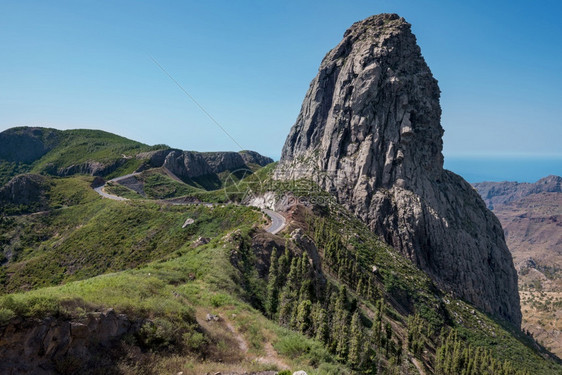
(503, 168)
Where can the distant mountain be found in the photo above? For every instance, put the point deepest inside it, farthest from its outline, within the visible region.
(531, 216)
(495, 193)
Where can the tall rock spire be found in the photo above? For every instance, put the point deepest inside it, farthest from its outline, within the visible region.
(369, 132)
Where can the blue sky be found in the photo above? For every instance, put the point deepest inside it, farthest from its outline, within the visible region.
(86, 64)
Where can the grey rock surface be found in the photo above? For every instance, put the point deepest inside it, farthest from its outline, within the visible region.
(27, 144)
(369, 132)
(252, 157)
(38, 347)
(24, 189)
(192, 164)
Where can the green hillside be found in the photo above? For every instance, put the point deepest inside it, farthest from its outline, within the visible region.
(326, 296)
(57, 150)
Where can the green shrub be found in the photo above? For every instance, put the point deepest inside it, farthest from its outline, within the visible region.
(194, 340)
(34, 307)
(157, 334)
(6, 315)
(292, 346)
(218, 300)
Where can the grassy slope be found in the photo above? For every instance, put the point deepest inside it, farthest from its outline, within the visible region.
(75, 241)
(200, 280)
(75, 147)
(82, 145)
(214, 286)
(10, 169)
(399, 278)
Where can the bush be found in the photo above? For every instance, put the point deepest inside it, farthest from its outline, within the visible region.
(218, 300)
(157, 334)
(6, 315)
(35, 307)
(292, 346)
(194, 340)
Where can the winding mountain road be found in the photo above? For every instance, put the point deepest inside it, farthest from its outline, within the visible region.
(278, 221)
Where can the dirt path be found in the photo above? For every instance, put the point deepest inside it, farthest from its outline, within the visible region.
(418, 365)
(242, 343)
(271, 356)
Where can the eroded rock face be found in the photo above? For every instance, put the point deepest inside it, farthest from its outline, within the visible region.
(369, 132)
(24, 189)
(27, 144)
(47, 346)
(252, 157)
(192, 164)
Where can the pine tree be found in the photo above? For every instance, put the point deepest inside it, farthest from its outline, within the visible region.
(359, 288)
(305, 266)
(288, 299)
(340, 323)
(304, 323)
(272, 286)
(388, 333)
(284, 265)
(354, 356)
(321, 325)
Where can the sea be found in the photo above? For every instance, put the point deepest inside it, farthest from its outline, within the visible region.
(504, 168)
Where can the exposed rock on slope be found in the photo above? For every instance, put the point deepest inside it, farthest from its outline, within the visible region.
(369, 132)
(191, 164)
(27, 144)
(531, 215)
(252, 157)
(98, 153)
(45, 347)
(24, 193)
(23, 189)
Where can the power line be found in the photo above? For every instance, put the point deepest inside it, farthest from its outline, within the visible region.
(196, 102)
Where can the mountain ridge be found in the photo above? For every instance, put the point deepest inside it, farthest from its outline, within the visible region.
(99, 153)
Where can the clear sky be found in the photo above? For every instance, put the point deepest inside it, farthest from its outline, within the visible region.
(86, 64)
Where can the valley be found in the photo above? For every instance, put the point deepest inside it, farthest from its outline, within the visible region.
(531, 216)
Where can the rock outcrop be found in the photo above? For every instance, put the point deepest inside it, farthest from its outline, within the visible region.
(369, 132)
(52, 346)
(24, 193)
(252, 157)
(192, 164)
(24, 189)
(27, 144)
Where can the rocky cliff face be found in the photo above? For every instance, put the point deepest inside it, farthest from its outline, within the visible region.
(192, 164)
(24, 189)
(54, 346)
(23, 194)
(27, 144)
(369, 132)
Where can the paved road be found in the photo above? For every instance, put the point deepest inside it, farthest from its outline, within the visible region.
(100, 190)
(116, 179)
(278, 221)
